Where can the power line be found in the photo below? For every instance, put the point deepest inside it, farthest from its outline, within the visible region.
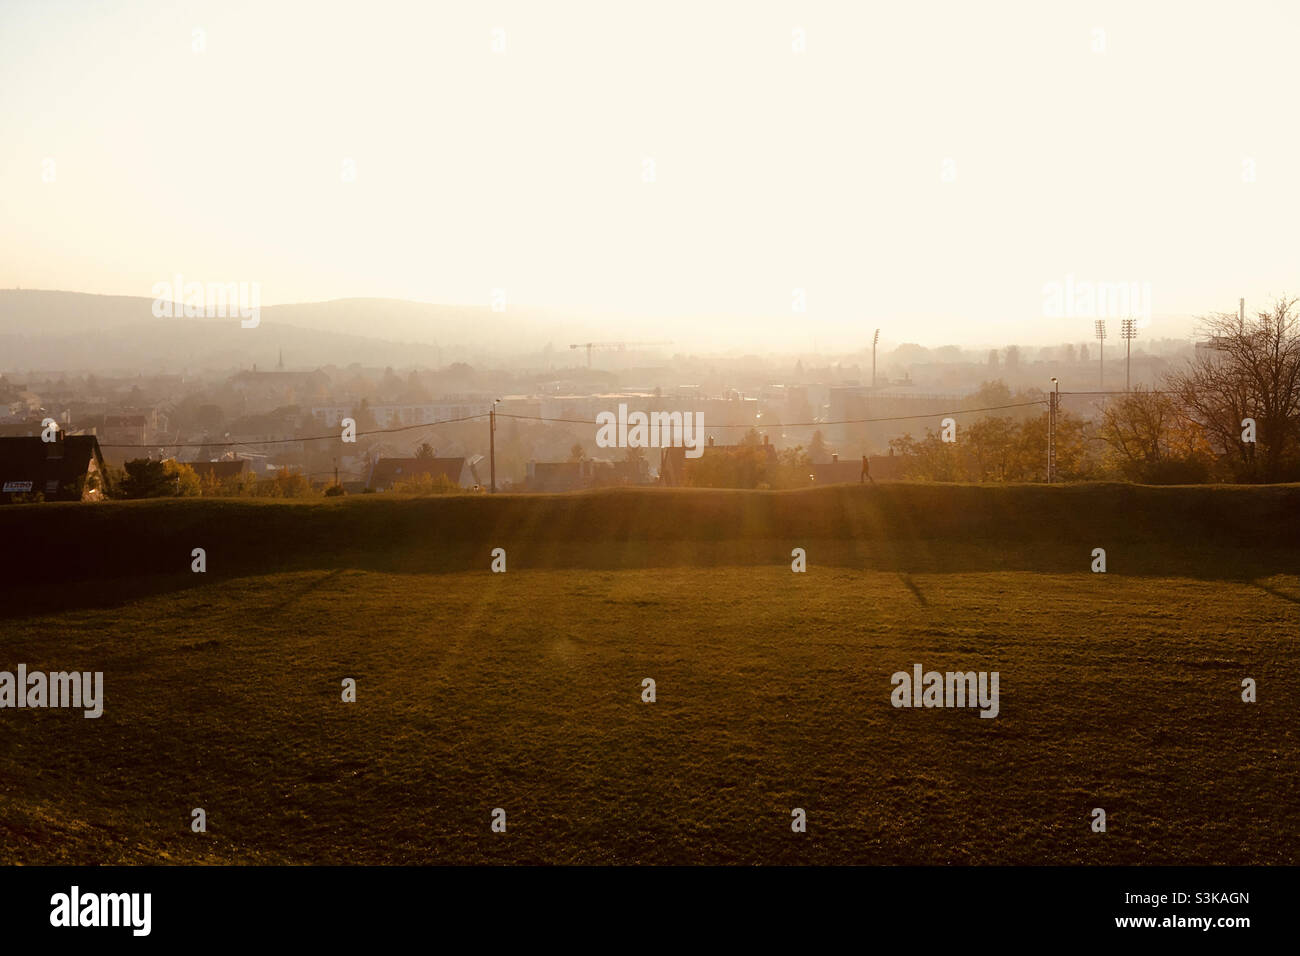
(1149, 391)
(845, 421)
(574, 421)
(285, 441)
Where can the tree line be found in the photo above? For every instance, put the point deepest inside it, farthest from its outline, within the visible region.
(1232, 413)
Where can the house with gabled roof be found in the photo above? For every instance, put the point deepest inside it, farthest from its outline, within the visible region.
(70, 468)
(387, 472)
(674, 465)
(219, 471)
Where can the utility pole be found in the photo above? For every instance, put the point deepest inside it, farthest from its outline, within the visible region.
(1101, 352)
(874, 342)
(1241, 315)
(1128, 330)
(1053, 401)
(492, 443)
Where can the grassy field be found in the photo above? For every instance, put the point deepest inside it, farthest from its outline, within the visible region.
(522, 690)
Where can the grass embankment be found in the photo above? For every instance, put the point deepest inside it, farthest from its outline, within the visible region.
(480, 690)
(887, 527)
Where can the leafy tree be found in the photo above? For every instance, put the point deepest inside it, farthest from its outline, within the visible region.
(146, 478)
(287, 484)
(994, 392)
(817, 450)
(1150, 440)
(427, 484)
(209, 485)
(186, 479)
(741, 467)
(1000, 449)
(992, 444)
(929, 458)
(241, 485)
(794, 466)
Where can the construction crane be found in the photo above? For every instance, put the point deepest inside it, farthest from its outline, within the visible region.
(619, 346)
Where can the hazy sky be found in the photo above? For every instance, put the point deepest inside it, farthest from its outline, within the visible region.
(774, 170)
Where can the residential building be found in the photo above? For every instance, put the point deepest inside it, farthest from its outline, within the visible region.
(70, 468)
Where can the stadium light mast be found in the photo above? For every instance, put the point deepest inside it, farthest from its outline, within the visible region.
(874, 342)
(1128, 331)
(1101, 352)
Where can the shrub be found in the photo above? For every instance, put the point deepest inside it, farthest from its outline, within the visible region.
(426, 484)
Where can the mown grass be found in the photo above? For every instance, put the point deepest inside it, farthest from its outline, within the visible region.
(522, 691)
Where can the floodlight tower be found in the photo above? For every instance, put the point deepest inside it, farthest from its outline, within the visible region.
(1101, 352)
(1128, 331)
(874, 342)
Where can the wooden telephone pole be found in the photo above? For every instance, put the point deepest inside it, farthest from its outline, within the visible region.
(1053, 402)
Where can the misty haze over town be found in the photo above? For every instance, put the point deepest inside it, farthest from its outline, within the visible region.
(198, 389)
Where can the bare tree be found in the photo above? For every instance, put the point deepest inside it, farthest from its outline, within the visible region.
(1249, 370)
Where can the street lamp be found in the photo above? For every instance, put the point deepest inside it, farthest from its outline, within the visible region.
(492, 442)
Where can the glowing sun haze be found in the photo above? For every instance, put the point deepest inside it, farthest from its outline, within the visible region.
(923, 167)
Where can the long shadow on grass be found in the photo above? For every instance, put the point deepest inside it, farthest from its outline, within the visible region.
(100, 555)
(40, 598)
(916, 592)
(1276, 593)
(901, 557)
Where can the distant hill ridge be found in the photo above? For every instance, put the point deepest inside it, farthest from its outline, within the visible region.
(72, 331)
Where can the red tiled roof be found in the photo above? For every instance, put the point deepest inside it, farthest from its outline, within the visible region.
(389, 470)
(220, 470)
(837, 472)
